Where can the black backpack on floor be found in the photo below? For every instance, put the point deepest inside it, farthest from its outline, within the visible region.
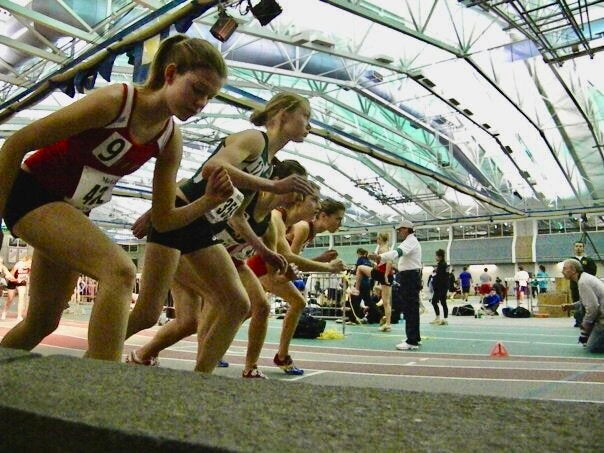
(309, 327)
(518, 312)
(463, 310)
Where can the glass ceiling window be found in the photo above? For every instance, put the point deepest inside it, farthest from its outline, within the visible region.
(447, 110)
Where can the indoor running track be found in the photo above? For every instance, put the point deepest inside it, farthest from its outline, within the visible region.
(544, 360)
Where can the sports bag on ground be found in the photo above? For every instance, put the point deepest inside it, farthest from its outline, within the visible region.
(463, 310)
(309, 327)
(518, 312)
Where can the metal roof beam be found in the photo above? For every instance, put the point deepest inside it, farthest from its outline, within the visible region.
(49, 22)
(31, 50)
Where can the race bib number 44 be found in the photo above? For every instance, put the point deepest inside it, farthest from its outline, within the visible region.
(94, 189)
(225, 211)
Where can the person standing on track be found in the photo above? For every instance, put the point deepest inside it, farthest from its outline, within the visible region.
(409, 255)
(382, 274)
(21, 271)
(8, 281)
(440, 285)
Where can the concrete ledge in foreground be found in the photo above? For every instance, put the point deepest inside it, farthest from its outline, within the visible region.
(59, 403)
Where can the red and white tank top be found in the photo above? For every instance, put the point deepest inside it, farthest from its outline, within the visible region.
(84, 168)
(382, 266)
(22, 271)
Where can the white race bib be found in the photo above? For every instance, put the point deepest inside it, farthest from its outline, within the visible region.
(242, 251)
(112, 149)
(94, 189)
(227, 240)
(225, 211)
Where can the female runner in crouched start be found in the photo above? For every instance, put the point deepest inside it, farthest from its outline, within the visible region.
(247, 158)
(188, 297)
(328, 217)
(83, 150)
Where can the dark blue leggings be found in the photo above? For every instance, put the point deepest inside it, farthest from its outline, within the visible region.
(440, 296)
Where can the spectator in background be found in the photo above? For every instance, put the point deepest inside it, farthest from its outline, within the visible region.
(440, 285)
(534, 285)
(542, 279)
(499, 288)
(363, 258)
(491, 302)
(522, 278)
(7, 280)
(590, 267)
(465, 281)
(381, 274)
(21, 271)
(429, 282)
(485, 282)
(591, 296)
(452, 282)
(364, 289)
(374, 312)
(409, 278)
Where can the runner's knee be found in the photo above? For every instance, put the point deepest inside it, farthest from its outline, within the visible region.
(121, 274)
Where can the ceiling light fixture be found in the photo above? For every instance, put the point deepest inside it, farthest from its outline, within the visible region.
(265, 11)
(225, 25)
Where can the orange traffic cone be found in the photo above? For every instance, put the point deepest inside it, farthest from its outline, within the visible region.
(499, 350)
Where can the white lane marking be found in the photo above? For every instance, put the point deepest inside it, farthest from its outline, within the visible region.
(305, 375)
(240, 351)
(465, 332)
(466, 378)
(42, 345)
(297, 347)
(451, 354)
(563, 400)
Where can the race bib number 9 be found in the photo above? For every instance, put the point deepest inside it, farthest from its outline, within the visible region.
(94, 189)
(225, 211)
(112, 149)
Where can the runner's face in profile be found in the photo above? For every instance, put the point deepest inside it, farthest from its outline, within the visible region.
(190, 92)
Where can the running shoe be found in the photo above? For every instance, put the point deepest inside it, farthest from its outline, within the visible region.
(404, 346)
(222, 364)
(133, 359)
(253, 373)
(287, 365)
